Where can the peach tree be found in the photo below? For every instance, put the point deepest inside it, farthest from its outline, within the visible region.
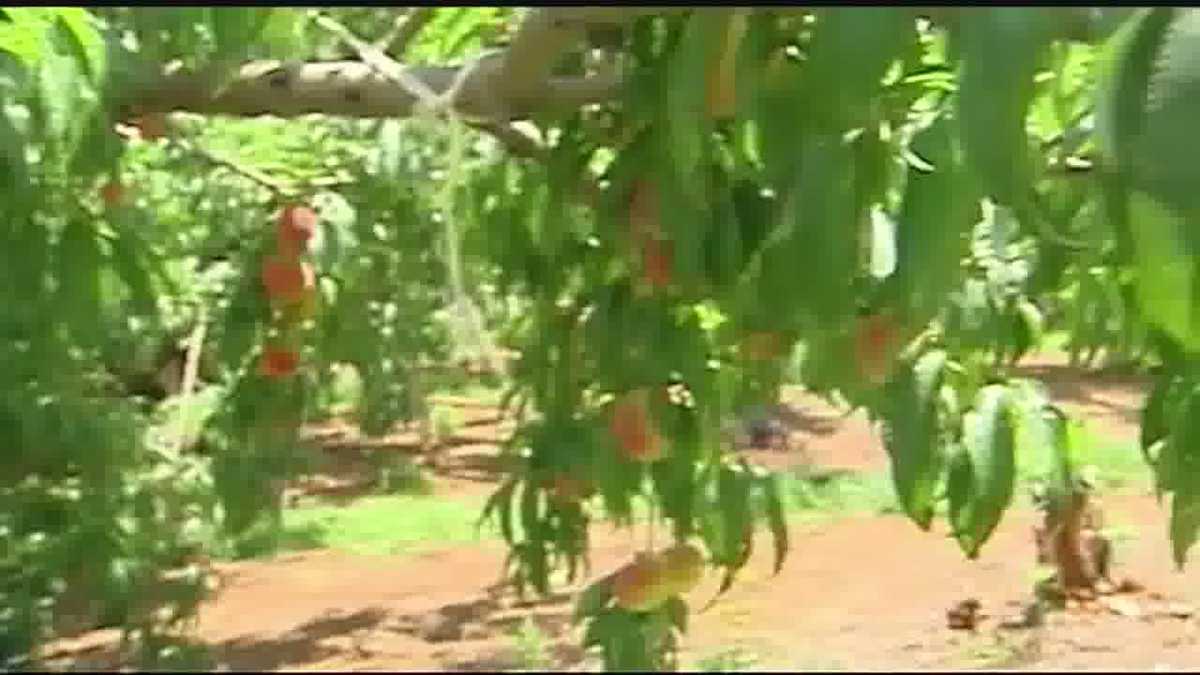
(674, 199)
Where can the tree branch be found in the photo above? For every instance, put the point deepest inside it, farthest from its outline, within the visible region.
(506, 86)
(341, 88)
(545, 33)
(380, 62)
(517, 142)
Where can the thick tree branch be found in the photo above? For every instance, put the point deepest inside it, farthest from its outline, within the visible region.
(341, 88)
(545, 33)
(503, 87)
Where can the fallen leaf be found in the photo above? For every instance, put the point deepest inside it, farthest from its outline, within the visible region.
(1180, 610)
(1122, 607)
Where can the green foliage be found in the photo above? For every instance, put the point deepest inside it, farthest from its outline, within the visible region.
(392, 524)
(912, 436)
(959, 187)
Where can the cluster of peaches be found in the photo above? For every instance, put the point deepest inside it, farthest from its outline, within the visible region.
(290, 285)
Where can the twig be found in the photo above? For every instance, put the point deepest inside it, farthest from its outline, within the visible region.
(404, 30)
(381, 62)
(516, 141)
(253, 174)
(191, 370)
(245, 171)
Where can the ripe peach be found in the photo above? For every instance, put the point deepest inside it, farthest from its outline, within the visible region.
(151, 127)
(644, 210)
(295, 227)
(721, 85)
(287, 280)
(277, 362)
(112, 193)
(683, 567)
(567, 489)
(657, 256)
(633, 429)
(875, 344)
(762, 345)
(638, 586)
(304, 308)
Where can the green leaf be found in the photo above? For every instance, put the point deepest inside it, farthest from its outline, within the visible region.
(734, 504)
(236, 28)
(1028, 327)
(1167, 146)
(851, 50)
(815, 265)
(1185, 523)
(912, 434)
(677, 613)
(79, 262)
(500, 506)
(1047, 433)
(1125, 68)
(59, 88)
(939, 208)
(883, 244)
(776, 520)
(284, 34)
(754, 216)
(960, 490)
(80, 26)
(130, 261)
(1155, 417)
(990, 442)
(686, 122)
(1167, 278)
(1002, 50)
(24, 34)
(593, 598)
(1184, 479)
(242, 323)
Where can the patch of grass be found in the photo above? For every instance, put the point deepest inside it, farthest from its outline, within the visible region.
(531, 644)
(1120, 464)
(374, 526)
(845, 492)
(1002, 652)
(728, 660)
(445, 421)
(342, 391)
(397, 473)
(487, 393)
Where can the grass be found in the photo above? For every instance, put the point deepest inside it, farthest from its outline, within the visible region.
(376, 525)
(403, 523)
(843, 492)
(531, 646)
(415, 520)
(388, 524)
(729, 660)
(1119, 465)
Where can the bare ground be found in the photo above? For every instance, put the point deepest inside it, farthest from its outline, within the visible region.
(856, 593)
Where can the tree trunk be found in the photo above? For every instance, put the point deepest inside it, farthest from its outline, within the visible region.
(1069, 539)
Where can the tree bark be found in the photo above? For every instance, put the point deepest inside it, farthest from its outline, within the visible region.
(510, 84)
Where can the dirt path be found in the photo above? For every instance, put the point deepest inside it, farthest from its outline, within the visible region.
(861, 593)
(864, 593)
